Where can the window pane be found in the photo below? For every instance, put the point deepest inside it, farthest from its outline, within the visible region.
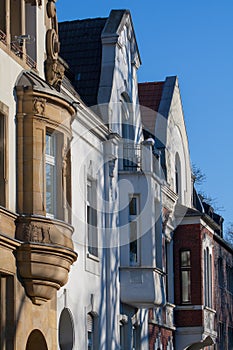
(133, 243)
(133, 206)
(185, 259)
(92, 231)
(50, 145)
(185, 281)
(50, 185)
(230, 338)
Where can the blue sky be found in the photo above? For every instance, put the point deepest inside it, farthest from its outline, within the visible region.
(193, 40)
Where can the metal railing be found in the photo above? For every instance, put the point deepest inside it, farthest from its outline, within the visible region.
(132, 157)
(17, 50)
(19, 53)
(2, 37)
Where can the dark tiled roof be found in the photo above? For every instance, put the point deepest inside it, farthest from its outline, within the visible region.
(150, 95)
(81, 48)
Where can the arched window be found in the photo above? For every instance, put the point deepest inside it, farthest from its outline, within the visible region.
(36, 341)
(208, 277)
(91, 332)
(177, 185)
(66, 330)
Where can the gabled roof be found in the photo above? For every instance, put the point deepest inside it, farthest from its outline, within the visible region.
(157, 98)
(150, 94)
(81, 48)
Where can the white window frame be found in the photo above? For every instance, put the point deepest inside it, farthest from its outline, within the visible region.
(50, 160)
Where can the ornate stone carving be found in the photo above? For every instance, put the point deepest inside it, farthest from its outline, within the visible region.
(166, 214)
(50, 239)
(39, 106)
(35, 233)
(54, 70)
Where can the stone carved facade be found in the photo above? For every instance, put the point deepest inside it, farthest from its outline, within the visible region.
(54, 69)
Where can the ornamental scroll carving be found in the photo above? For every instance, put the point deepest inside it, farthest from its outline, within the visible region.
(54, 69)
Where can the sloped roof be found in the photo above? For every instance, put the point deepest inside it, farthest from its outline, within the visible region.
(30, 80)
(150, 95)
(157, 97)
(81, 48)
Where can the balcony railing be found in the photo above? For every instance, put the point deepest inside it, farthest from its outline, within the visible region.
(132, 157)
(19, 53)
(2, 37)
(17, 50)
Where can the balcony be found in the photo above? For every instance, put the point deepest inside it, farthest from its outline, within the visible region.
(136, 157)
(132, 157)
(44, 256)
(2, 37)
(17, 51)
(142, 286)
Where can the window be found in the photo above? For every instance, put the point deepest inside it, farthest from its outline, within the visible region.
(133, 228)
(3, 18)
(221, 336)
(92, 231)
(208, 277)
(6, 311)
(185, 267)
(90, 332)
(50, 169)
(177, 175)
(66, 330)
(122, 336)
(220, 273)
(230, 338)
(230, 279)
(136, 337)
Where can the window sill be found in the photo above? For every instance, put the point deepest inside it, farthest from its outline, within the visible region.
(93, 257)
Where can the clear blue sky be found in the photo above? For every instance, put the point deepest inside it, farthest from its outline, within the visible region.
(194, 40)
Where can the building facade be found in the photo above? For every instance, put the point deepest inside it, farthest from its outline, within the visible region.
(35, 232)
(95, 174)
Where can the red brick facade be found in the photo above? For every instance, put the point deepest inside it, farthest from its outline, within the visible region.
(157, 332)
(189, 237)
